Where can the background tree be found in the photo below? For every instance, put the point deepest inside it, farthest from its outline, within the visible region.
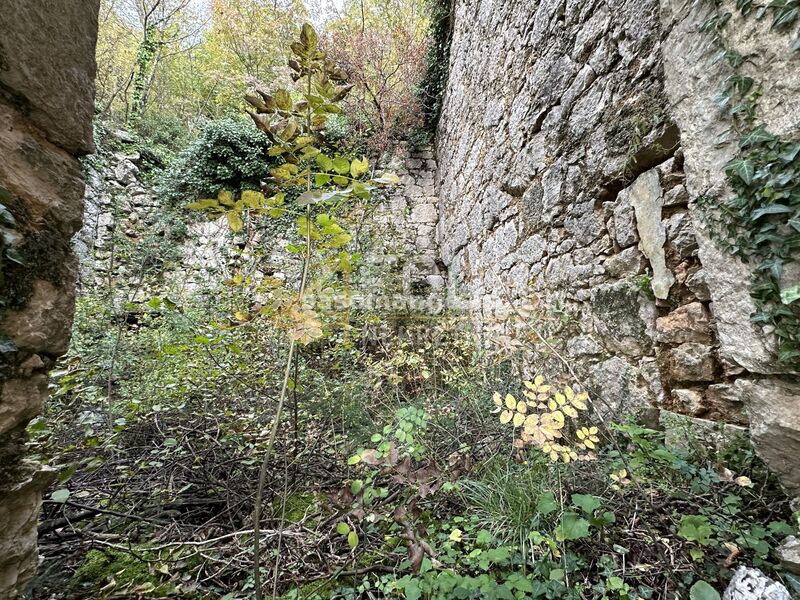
(382, 44)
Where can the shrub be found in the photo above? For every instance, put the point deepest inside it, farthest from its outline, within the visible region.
(229, 154)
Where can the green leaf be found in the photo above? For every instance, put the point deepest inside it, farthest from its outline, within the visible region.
(742, 168)
(61, 495)
(756, 136)
(586, 502)
(204, 204)
(341, 165)
(235, 222)
(324, 162)
(572, 527)
(342, 528)
(352, 539)
(321, 179)
(701, 590)
(354, 460)
(696, 528)
(546, 504)
(308, 37)
(412, 589)
(556, 575)
(358, 167)
(170, 442)
(791, 294)
(283, 99)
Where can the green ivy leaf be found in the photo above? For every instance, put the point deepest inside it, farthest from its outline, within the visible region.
(352, 539)
(790, 295)
(756, 136)
(742, 168)
(701, 590)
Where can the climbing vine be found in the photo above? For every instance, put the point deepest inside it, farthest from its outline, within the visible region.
(431, 89)
(760, 222)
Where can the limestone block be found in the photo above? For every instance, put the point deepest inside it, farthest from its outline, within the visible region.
(752, 584)
(48, 64)
(771, 404)
(688, 402)
(789, 554)
(21, 400)
(689, 362)
(623, 319)
(688, 323)
(645, 197)
(43, 325)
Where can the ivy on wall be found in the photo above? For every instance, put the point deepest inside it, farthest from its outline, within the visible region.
(432, 87)
(760, 223)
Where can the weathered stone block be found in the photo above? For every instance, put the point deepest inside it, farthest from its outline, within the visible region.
(688, 323)
(689, 362)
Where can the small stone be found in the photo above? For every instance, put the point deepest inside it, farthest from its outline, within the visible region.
(689, 362)
(125, 172)
(677, 196)
(583, 345)
(624, 222)
(696, 282)
(424, 213)
(752, 584)
(789, 554)
(681, 241)
(689, 402)
(628, 262)
(689, 323)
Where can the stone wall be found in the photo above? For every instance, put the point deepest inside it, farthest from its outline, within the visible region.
(574, 142)
(47, 69)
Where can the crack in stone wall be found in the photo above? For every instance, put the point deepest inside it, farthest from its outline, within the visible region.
(47, 69)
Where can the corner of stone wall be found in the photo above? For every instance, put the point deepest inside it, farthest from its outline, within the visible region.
(46, 109)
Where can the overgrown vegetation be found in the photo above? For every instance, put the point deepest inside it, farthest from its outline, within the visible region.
(266, 434)
(760, 223)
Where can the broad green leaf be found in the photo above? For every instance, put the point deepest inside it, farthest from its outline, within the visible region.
(354, 460)
(572, 527)
(308, 37)
(342, 528)
(701, 590)
(586, 502)
(341, 165)
(204, 204)
(742, 168)
(61, 495)
(547, 504)
(696, 528)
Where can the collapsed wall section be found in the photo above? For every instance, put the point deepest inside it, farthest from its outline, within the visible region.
(574, 143)
(47, 69)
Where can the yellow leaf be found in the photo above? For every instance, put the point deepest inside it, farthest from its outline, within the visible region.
(592, 430)
(225, 198)
(560, 399)
(519, 419)
(589, 444)
(498, 399)
(506, 416)
(743, 481)
(552, 404)
(570, 412)
(253, 199)
(529, 385)
(235, 222)
(531, 422)
(581, 435)
(456, 535)
(358, 167)
(522, 406)
(558, 418)
(538, 380)
(511, 402)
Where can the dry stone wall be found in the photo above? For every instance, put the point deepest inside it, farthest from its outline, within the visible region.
(575, 140)
(47, 70)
